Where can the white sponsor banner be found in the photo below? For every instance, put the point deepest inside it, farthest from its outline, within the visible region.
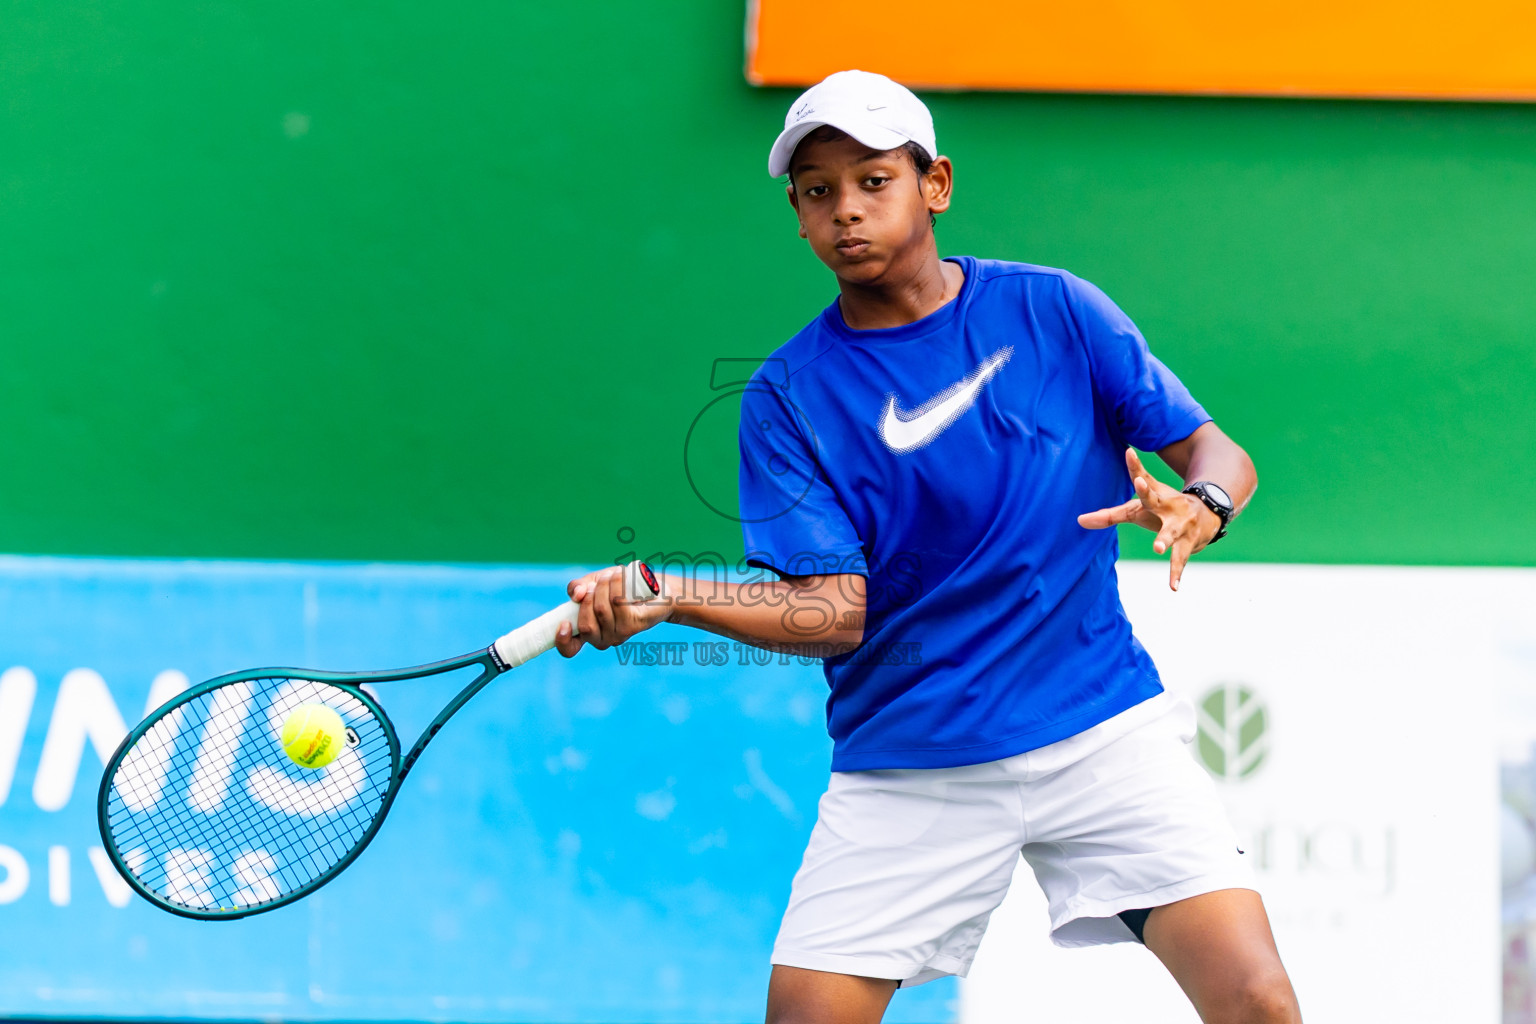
(1352, 715)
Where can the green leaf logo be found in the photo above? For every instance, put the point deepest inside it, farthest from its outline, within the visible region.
(1232, 738)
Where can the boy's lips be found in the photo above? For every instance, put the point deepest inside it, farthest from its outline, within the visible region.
(851, 246)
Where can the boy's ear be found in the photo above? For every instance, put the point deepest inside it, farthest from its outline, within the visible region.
(794, 200)
(939, 184)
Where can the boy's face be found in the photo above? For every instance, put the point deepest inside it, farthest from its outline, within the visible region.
(865, 211)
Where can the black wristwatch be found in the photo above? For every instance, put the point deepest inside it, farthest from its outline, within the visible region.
(1217, 500)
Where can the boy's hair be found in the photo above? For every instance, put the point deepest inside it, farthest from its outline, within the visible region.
(920, 158)
(921, 161)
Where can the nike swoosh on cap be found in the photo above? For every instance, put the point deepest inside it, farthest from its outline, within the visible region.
(905, 432)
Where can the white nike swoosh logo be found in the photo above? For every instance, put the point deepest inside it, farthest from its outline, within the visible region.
(905, 432)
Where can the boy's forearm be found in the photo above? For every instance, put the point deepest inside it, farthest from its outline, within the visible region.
(1209, 454)
(820, 615)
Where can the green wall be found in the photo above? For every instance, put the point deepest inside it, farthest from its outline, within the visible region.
(403, 281)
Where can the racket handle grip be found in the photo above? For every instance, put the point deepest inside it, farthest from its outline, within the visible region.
(532, 639)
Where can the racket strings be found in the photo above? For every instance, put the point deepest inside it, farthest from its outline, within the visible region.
(209, 813)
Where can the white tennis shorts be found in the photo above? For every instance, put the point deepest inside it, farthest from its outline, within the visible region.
(905, 866)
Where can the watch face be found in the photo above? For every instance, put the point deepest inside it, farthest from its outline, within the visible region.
(1220, 496)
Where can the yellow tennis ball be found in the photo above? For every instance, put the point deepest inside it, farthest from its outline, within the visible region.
(313, 735)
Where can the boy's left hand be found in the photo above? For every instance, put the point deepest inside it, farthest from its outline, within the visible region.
(1181, 521)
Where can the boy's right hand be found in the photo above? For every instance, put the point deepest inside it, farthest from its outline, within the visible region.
(607, 616)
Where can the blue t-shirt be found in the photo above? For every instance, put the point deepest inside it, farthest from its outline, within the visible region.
(948, 460)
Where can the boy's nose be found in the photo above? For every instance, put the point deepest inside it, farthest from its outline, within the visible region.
(847, 213)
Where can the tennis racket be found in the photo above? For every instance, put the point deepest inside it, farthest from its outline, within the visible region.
(206, 816)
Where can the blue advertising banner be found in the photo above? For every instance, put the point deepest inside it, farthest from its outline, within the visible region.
(609, 838)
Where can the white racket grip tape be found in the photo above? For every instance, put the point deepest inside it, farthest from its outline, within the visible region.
(532, 639)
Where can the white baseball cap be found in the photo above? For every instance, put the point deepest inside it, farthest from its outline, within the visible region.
(878, 112)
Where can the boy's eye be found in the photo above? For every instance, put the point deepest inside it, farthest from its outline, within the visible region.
(876, 180)
(816, 190)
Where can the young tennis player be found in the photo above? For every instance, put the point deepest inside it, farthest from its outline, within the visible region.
(936, 465)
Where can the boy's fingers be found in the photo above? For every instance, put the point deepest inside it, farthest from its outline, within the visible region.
(1133, 462)
(602, 602)
(602, 612)
(1181, 552)
(566, 641)
(577, 588)
(1132, 511)
(618, 605)
(1100, 518)
(586, 616)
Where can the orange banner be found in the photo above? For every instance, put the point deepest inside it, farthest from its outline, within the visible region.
(1475, 49)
